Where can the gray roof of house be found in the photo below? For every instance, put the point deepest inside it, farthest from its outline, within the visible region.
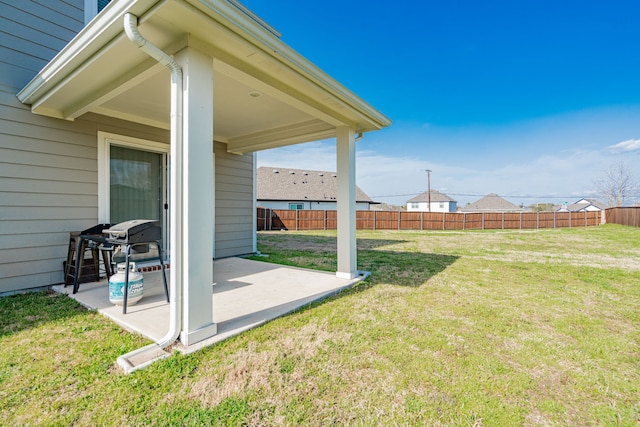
(492, 202)
(577, 207)
(436, 196)
(300, 185)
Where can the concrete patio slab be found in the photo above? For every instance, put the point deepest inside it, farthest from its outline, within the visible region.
(245, 294)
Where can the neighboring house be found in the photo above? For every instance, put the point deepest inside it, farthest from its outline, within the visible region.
(582, 205)
(286, 188)
(439, 203)
(95, 110)
(492, 203)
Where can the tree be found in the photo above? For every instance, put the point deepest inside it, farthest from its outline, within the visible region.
(617, 184)
(541, 207)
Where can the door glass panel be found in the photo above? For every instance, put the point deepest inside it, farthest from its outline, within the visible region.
(136, 185)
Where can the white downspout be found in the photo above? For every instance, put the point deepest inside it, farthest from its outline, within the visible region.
(155, 350)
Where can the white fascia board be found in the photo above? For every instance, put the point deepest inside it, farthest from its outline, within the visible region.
(105, 28)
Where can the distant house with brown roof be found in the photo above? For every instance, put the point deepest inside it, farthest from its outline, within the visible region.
(286, 188)
(492, 203)
(433, 201)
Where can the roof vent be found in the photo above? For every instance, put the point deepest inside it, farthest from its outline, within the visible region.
(320, 174)
(276, 171)
(292, 172)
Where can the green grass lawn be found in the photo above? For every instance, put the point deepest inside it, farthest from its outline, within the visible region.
(477, 328)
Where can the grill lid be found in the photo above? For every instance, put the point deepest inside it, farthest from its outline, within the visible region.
(135, 231)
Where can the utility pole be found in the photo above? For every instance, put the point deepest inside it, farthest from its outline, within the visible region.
(428, 171)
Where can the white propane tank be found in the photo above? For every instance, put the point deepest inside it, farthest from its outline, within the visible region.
(116, 285)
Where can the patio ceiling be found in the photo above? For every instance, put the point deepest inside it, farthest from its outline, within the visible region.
(265, 94)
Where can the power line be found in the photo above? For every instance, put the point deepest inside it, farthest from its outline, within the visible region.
(525, 196)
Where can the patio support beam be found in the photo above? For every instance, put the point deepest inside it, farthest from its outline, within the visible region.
(197, 196)
(346, 202)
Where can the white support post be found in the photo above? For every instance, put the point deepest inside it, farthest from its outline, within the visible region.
(197, 184)
(346, 202)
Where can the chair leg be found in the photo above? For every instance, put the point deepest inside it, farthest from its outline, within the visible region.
(79, 264)
(71, 253)
(164, 276)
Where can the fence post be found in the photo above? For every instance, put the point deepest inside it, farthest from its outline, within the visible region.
(297, 219)
(570, 215)
(374, 220)
(537, 220)
(585, 218)
(399, 213)
(324, 219)
(520, 220)
(483, 220)
(443, 220)
(554, 219)
(421, 221)
(503, 220)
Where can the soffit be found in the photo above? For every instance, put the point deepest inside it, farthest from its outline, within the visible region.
(101, 71)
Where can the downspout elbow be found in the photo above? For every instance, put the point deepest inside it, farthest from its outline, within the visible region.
(131, 29)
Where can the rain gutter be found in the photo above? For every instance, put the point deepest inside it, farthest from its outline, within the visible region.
(144, 356)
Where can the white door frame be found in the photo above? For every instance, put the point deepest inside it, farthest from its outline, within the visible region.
(105, 140)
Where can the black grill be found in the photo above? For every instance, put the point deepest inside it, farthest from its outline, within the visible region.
(128, 234)
(136, 231)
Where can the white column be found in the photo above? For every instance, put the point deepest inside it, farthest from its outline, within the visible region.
(346, 201)
(197, 197)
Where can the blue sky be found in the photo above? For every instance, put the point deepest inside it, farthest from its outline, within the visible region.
(532, 100)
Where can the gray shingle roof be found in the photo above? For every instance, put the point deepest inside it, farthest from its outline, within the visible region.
(577, 207)
(436, 196)
(492, 202)
(300, 185)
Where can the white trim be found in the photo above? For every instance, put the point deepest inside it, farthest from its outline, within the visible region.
(255, 203)
(213, 216)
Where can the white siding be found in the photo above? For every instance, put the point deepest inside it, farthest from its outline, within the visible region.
(435, 207)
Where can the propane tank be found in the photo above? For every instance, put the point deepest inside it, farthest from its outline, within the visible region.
(116, 285)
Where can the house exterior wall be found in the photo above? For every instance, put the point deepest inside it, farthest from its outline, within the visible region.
(49, 167)
(318, 206)
(435, 207)
(45, 183)
(234, 203)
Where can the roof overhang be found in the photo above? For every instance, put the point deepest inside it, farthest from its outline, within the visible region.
(265, 94)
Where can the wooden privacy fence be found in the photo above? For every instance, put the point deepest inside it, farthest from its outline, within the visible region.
(281, 219)
(623, 216)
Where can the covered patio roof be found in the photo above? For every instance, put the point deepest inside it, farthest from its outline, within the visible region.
(206, 70)
(265, 95)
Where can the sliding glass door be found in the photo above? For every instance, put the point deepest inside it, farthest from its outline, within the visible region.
(136, 184)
